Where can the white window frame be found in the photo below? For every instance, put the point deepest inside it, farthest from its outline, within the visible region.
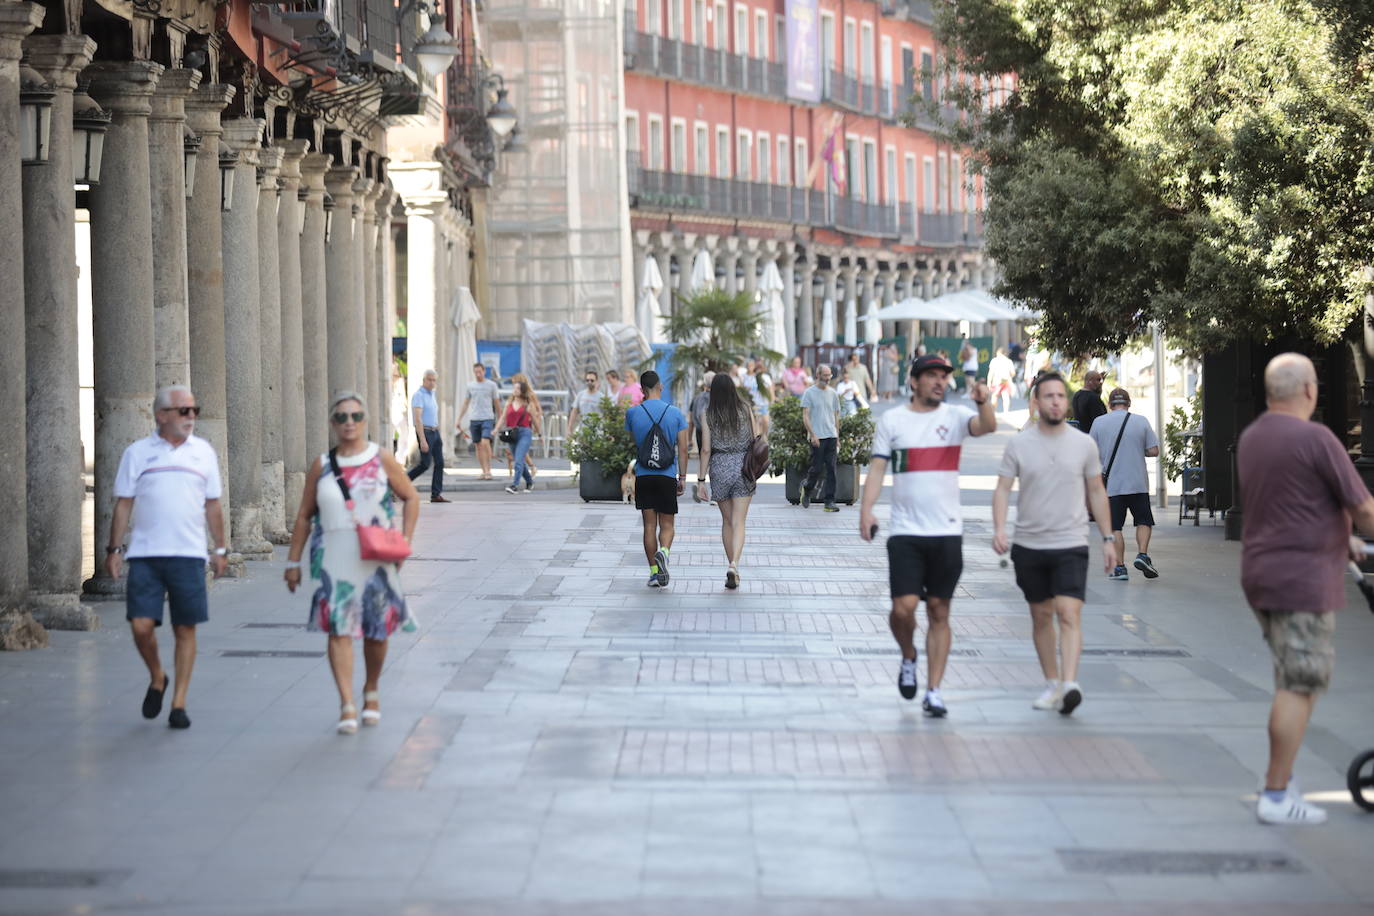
(871, 165)
(849, 46)
(887, 67)
(741, 15)
(744, 154)
(677, 17)
(929, 195)
(851, 165)
(655, 163)
(761, 29)
(763, 157)
(828, 47)
(942, 182)
(801, 155)
(723, 161)
(701, 142)
(784, 161)
(721, 26)
(934, 73)
(780, 39)
(699, 18)
(866, 67)
(653, 17)
(674, 164)
(633, 138)
(956, 182)
(890, 185)
(909, 172)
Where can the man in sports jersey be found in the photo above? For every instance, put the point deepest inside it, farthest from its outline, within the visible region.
(925, 553)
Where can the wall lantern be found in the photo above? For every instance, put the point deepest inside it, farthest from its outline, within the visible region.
(35, 115)
(435, 50)
(515, 143)
(501, 116)
(228, 161)
(190, 146)
(302, 195)
(328, 216)
(89, 124)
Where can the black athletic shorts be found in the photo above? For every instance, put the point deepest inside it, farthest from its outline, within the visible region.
(656, 492)
(1138, 503)
(1043, 574)
(928, 567)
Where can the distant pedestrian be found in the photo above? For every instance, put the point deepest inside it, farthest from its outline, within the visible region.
(1001, 376)
(633, 392)
(795, 377)
(922, 442)
(968, 359)
(538, 410)
(890, 370)
(726, 434)
(1300, 493)
(400, 415)
(1060, 474)
(357, 598)
(1124, 440)
(587, 401)
(1087, 402)
(614, 385)
(696, 411)
(521, 416)
(821, 418)
(660, 433)
(858, 374)
(425, 408)
(484, 402)
(759, 386)
(851, 399)
(169, 484)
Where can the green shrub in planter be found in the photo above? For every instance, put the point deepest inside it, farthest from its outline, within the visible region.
(603, 438)
(787, 445)
(856, 438)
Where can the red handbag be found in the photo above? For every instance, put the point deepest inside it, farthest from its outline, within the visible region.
(375, 542)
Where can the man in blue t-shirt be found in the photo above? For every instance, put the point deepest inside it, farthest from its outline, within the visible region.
(656, 491)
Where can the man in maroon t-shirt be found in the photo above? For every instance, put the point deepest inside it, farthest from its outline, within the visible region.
(1300, 491)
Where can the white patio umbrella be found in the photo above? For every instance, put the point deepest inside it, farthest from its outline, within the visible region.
(464, 315)
(649, 310)
(772, 332)
(703, 272)
(851, 322)
(828, 321)
(914, 309)
(873, 328)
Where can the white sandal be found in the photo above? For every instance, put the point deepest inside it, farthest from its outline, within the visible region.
(372, 716)
(348, 725)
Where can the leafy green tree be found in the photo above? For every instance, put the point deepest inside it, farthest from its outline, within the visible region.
(715, 330)
(1201, 163)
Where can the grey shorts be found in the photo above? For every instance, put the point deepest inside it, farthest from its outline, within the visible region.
(1302, 647)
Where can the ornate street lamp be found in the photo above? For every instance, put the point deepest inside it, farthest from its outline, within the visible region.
(515, 143)
(501, 117)
(89, 123)
(228, 161)
(435, 50)
(35, 115)
(190, 145)
(302, 195)
(328, 216)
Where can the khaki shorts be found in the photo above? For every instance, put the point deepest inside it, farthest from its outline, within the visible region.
(1300, 642)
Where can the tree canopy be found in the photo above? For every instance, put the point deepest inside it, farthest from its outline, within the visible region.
(1207, 164)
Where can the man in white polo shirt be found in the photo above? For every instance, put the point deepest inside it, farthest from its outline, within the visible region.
(922, 442)
(169, 483)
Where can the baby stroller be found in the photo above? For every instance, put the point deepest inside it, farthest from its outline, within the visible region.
(1360, 777)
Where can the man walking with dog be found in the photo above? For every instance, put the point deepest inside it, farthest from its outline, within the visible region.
(660, 434)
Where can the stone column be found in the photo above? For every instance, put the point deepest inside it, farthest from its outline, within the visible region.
(314, 313)
(243, 341)
(205, 281)
(422, 240)
(171, 330)
(384, 316)
(832, 279)
(292, 379)
(274, 524)
(686, 254)
(806, 323)
(787, 266)
(729, 259)
(18, 629)
(890, 286)
(365, 242)
(344, 333)
(121, 287)
(53, 427)
(663, 259)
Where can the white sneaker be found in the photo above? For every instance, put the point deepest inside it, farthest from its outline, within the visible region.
(1070, 698)
(1291, 809)
(1050, 698)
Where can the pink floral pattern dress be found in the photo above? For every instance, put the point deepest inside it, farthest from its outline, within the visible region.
(356, 597)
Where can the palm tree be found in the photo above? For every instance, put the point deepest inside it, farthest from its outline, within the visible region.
(715, 330)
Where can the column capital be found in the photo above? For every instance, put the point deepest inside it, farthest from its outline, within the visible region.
(16, 21)
(169, 99)
(732, 244)
(339, 180)
(313, 169)
(385, 199)
(245, 136)
(362, 187)
(124, 86)
(430, 206)
(663, 241)
(292, 151)
(60, 58)
(203, 107)
(269, 167)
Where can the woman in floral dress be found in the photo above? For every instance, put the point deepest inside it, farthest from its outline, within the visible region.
(356, 598)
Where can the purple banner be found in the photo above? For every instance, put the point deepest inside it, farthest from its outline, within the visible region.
(803, 50)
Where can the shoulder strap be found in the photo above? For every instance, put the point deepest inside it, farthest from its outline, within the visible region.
(338, 476)
(1119, 433)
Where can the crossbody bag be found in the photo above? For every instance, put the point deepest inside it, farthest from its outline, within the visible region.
(375, 542)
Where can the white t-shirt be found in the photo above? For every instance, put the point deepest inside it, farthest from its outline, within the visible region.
(751, 385)
(169, 486)
(922, 450)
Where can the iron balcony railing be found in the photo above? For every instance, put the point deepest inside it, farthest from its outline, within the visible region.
(693, 63)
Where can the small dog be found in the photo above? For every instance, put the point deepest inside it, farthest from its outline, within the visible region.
(627, 484)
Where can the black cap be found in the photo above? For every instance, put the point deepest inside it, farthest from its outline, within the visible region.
(930, 361)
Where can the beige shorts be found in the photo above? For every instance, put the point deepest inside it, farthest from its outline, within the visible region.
(1300, 642)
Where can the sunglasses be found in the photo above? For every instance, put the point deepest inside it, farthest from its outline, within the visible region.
(185, 411)
(356, 416)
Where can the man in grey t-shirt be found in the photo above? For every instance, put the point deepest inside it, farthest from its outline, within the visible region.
(485, 402)
(820, 415)
(587, 402)
(1128, 483)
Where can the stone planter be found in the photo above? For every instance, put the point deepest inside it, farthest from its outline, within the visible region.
(594, 483)
(847, 484)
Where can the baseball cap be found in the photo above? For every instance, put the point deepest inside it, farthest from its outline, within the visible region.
(930, 361)
(1119, 396)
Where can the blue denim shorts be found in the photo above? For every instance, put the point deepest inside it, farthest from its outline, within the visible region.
(180, 580)
(481, 429)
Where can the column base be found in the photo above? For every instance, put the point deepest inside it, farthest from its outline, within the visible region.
(247, 536)
(103, 588)
(19, 631)
(294, 482)
(62, 611)
(274, 503)
(234, 567)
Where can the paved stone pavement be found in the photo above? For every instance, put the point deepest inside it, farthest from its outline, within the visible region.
(560, 739)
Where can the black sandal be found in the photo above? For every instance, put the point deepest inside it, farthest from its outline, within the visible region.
(152, 700)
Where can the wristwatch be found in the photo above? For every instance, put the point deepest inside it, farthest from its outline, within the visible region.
(117, 549)
(221, 551)
(1107, 537)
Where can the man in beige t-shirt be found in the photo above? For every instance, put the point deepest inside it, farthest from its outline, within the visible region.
(1054, 463)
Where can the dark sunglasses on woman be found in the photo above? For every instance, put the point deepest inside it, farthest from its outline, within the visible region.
(356, 416)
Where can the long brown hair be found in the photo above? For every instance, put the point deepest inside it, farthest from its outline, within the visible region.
(726, 410)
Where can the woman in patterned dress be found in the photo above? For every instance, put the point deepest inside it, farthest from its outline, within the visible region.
(725, 440)
(357, 598)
